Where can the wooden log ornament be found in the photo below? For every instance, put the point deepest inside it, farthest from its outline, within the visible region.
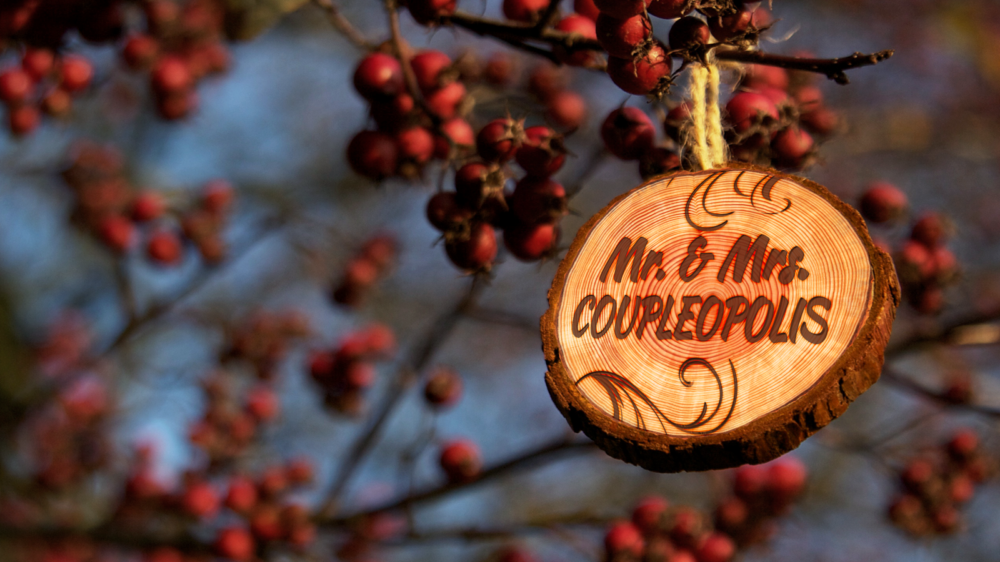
(709, 319)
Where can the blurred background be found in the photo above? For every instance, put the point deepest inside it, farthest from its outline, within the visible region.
(150, 363)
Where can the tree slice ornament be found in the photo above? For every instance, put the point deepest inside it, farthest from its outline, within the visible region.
(709, 319)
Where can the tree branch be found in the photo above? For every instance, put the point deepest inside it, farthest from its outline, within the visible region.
(895, 377)
(834, 69)
(527, 459)
(343, 25)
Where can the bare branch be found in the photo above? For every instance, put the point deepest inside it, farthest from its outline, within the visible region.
(343, 25)
(834, 69)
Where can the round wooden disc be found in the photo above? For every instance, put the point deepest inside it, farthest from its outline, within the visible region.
(710, 319)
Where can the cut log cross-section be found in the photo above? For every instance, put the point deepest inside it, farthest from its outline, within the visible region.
(710, 319)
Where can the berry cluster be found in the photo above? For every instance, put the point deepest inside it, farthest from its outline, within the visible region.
(935, 486)
(628, 133)
(528, 216)
(66, 439)
(44, 82)
(263, 340)
(403, 142)
(267, 515)
(564, 108)
(46, 23)
(111, 209)
(924, 265)
(181, 44)
(659, 533)
(345, 372)
(231, 419)
(372, 262)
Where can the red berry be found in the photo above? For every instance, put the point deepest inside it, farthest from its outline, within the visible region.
(946, 518)
(963, 445)
(792, 147)
(621, 9)
(586, 8)
(930, 230)
(527, 11)
(57, 103)
(808, 99)
(300, 471)
(456, 138)
(658, 161)
(15, 86)
(542, 153)
(760, 76)
(545, 81)
(917, 474)
(200, 500)
(427, 12)
(628, 133)
(538, 200)
(749, 481)
(914, 262)
(444, 101)
(443, 388)
(140, 51)
(566, 109)
(578, 27)
(731, 515)
(416, 145)
(171, 75)
(961, 489)
(445, 214)
(717, 547)
(263, 403)
(76, 73)
(273, 481)
(265, 523)
(393, 114)
(648, 515)
(944, 264)
(669, 9)
(499, 69)
(177, 105)
(747, 110)
(821, 121)
(620, 38)
(38, 63)
(427, 67)
(786, 477)
(677, 120)
(117, 233)
(373, 154)
(164, 247)
(883, 202)
(147, 206)
(905, 508)
(242, 494)
(378, 76)
(499, 140)
(470, 185)
(531, 242)
(643, 75)
(731, 26)
(476, 252)
(623, 539)
(460, 460)
(688, 33)
(217, 196)
(959, 388)
(687, 527)
(23, 119)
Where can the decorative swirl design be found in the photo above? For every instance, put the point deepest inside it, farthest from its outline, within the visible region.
(620, 389)
(765, 184)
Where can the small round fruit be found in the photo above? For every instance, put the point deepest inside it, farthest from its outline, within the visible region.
(531, 242)
(527, 11)
(621, 9)
(566, 109)
(445, 214)
(542, 153)
(628, 133)
(747, 110)
(586, 8)
(38, 62)
(883, 202)
(171, 75)
(140, 51)
(792, 148)
(579, 27)
(428, 67)
(373, 154)
(670, 9)
(164, 247)
(644, 75)
(15, 86)
(427, 12)
(689, 33)
(415, 145)
(456, 139)
(623, 539)
(620, 38)
(76, 73)
(235, 543)
(499, 140)
(443, 388)
(147, 206)
(378, 76)
(23, 119)
(444, 101)
(117, 233)
(476, 252)
(461, 461)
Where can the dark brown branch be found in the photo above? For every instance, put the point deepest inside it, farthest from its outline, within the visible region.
(405, 378)
(833, 69)
(498, 533)
(402, 53)
(528, 459)
(519, 34)
(946, 333)
(548, 17)
(343, 25)
(894, 377)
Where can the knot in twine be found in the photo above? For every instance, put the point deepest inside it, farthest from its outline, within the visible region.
(709, 146)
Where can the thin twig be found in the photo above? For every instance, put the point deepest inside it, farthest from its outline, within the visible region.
(343, 25)
(834, 69)
(901, 380)
(534, 457)
(402, 52)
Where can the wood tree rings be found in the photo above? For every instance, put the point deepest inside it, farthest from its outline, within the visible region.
(710, 319)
